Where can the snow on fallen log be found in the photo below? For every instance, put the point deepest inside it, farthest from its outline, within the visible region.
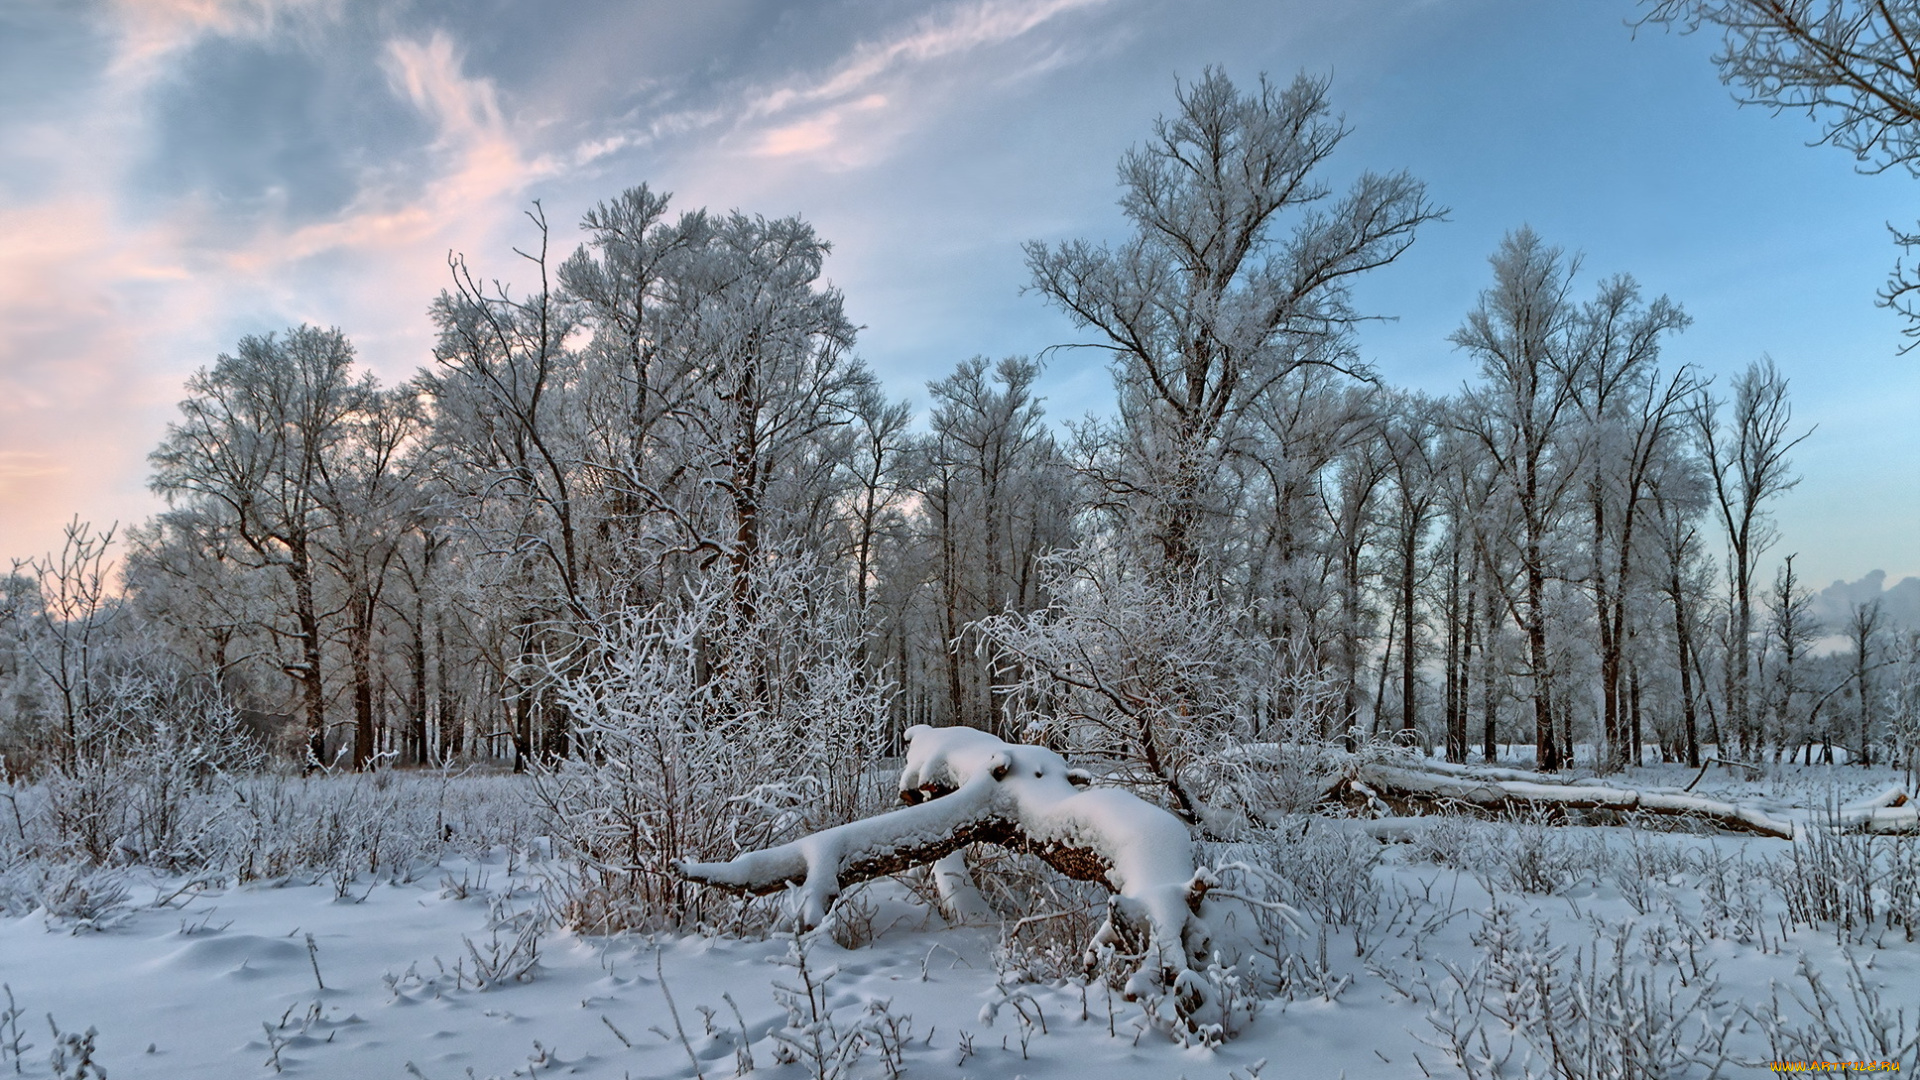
(1891, 812)
(1492, 772)
(1408, 788)
(965, 786)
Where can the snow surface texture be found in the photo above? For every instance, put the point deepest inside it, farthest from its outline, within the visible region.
(1462, 952)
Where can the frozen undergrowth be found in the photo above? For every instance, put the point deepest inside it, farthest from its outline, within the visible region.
(1476, 949)
(75, 848)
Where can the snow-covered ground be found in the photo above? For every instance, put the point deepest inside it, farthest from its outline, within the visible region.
(1465, 952)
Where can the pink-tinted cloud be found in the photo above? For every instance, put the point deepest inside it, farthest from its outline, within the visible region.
(113, 295)
(108, 307)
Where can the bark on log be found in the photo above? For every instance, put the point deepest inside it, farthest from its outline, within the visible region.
(1415, 790)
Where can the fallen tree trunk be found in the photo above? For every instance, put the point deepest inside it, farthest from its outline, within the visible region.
(1890, 813)
(1402, 789)
(964, 786)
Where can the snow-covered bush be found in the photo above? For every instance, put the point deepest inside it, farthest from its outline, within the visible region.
(733, 716)
(246, 828)
(1046, 919)
(1862, 1024)
(1529, 1007)
(1155, 674)
(1534, 856)
(1856, 883)
(1289, 894)
(78, 898)
(1514, 854)
(151, 748)
(380, 825)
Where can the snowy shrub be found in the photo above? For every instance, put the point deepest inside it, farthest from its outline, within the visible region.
(1851, 881)
(1047, 919)
(77, 898)
(1448, 840)
(1529, 855)
(72, 1055)
(1544, 859)
(726, 719)
(1860, 1024)
(1645, 867)
(1205, 1007)
(13, 1043)
(280, 826)
(1156, 675)
(346, 828)
(820, 1038)
(1732, 894)
(151, 750)
(1284, 897)
(1531, 1008)
(1314, 865)
(511, 952)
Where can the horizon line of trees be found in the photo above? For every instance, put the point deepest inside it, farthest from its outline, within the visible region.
(1263, 543)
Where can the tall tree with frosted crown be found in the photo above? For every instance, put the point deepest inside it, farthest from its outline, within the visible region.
(1209, 303)
(249, 448)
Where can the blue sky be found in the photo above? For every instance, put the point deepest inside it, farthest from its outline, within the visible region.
(177, 173)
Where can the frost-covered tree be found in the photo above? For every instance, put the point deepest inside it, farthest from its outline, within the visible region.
(503, 395)
(1679, 496)
(997, 497)
(65, 628)
(1525, 333)
(1866, 624)
(1746, 451)
(370, 489)
(769, 349)
(1633, 416)
(198, 598)
(248, 452)
(1209, 303)
(1302, 435)
(1413, 439)
(1791, 631)
(622, 278)
(1127, 665)
(1352, 500)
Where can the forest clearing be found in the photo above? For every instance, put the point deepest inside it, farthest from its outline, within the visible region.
(604, 667)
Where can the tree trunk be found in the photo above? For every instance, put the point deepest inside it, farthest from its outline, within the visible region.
(308, 621)
(1683, 640)
(1546, 746)
(360, 655)
(1489, 699)
(1409, 717)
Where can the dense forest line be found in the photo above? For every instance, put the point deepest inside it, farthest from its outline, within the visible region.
(648, 496)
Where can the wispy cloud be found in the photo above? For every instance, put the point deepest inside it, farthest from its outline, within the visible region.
(151, 32)
(817, 132)
(951, 32)
(846, 115)
(482, 171)
(848, 112)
